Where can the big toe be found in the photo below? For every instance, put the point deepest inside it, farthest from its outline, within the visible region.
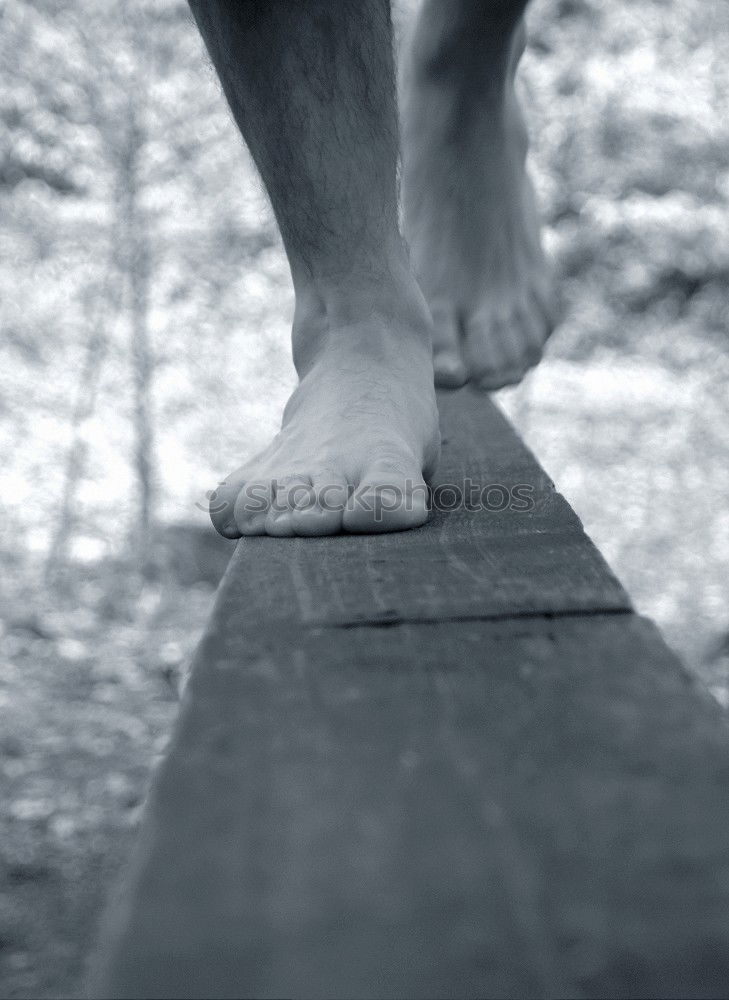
(388, 498)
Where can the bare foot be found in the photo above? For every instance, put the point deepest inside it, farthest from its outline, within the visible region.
(360, 433)
(469, 209)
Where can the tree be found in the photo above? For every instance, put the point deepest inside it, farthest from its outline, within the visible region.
(126, 146)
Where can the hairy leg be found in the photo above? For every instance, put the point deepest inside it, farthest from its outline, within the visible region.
(469, 208)
(311, 88)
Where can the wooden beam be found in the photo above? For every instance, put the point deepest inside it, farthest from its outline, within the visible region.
(447, 762)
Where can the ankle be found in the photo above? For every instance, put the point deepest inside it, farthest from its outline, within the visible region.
(371, 315)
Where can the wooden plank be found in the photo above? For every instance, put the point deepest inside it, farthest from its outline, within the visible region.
(499, 809)
(462, 564)
(383, 785)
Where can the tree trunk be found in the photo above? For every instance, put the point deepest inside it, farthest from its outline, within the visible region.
(102, 301)
(137, 266)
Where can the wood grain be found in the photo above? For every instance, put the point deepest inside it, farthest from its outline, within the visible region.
(450, 762)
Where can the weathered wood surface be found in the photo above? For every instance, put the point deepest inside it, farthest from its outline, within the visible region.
(449, 762)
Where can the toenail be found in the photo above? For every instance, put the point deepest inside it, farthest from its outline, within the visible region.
(447, 364)
(389, 498)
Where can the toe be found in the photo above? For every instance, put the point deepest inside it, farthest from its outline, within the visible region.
(548, 311)
(252, 506)
(221, 506)
(388, 498)
(280, 524)
(501, 349)
(500, 380)
(288, 493)
(449, 369)
(323, 512)
(491, 354)
(532, 332)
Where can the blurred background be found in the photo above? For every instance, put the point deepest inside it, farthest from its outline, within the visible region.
(145, 308)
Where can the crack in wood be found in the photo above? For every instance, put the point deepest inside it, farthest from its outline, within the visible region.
(395, 620)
